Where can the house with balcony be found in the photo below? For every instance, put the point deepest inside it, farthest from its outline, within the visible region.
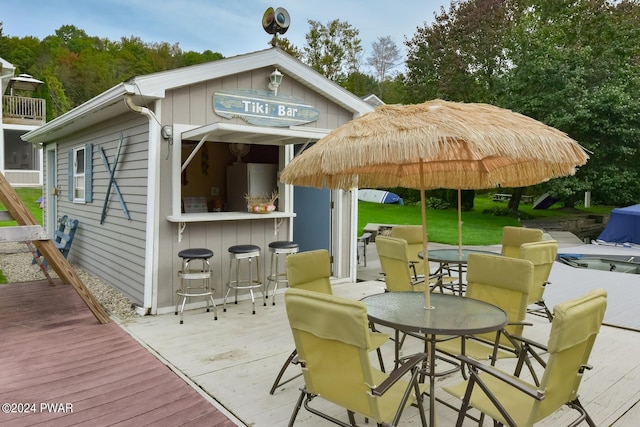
(20, 161)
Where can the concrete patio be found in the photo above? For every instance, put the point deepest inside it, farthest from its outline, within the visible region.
(236, 358)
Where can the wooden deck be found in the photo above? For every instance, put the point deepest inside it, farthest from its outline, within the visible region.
(60, 367)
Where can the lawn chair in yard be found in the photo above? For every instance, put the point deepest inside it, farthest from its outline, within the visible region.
(396, 267)
(332, 338)
(311, 271)
(513, 237)
(413, 236)
(511, 400)
(505, 283)
(542, 255)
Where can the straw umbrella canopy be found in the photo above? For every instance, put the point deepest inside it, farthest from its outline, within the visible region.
(437, 144)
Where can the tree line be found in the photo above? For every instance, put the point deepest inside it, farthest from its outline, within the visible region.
(572, 64)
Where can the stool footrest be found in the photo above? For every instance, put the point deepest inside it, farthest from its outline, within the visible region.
(245, 285)
(194, 274)
(204, 293)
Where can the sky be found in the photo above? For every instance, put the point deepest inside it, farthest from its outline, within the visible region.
(231, 27)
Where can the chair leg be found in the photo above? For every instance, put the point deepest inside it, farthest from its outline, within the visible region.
(380, 359)
(584, 416)
(297, 408)
(546, 310)
(288, 362)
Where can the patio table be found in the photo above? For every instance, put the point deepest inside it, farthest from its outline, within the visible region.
(451, 316)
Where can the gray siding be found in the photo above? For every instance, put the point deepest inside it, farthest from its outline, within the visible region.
(114, 250)
(193, 105)
(217, 236)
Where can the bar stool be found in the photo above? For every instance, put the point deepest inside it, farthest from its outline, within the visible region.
(202, 288)
(279, 248)
(238, 253)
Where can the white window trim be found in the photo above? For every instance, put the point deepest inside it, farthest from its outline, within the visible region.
(77, 175)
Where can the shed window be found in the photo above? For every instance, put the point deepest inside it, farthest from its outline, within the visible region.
(80, 176)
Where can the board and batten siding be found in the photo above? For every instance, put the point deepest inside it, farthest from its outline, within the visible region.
(217, 236)
(193, 105)
(114, 250)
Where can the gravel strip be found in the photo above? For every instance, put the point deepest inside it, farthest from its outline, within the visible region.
(15, 263)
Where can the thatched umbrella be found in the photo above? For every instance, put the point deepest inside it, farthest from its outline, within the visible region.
(437, 144)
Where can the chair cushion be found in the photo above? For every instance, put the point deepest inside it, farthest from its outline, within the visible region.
(310, 270)
(571, 333)
(513, 237)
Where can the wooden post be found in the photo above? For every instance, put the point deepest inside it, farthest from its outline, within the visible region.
(23, 217)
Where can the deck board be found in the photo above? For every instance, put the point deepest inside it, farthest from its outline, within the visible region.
(55, 351)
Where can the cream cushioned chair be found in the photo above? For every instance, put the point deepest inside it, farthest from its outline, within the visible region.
(333, 342)
(311, 271)
(413, 236)
(542, 255)
(395, 264)
(512, 401)
(505, 283)
(513, 237)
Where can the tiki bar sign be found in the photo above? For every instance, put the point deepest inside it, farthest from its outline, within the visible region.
(263, 108)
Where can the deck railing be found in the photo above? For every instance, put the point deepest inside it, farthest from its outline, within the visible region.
(22, 110)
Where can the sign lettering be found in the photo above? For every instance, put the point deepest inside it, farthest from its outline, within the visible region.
(263, 108)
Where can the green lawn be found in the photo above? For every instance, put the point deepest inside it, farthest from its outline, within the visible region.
(478, 228)
(29, 196)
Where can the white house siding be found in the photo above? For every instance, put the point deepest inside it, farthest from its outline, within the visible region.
(114, 250)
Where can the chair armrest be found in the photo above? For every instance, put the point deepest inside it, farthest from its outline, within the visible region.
(536, 394)
(520, 323)
(398, 373)
(530, 342)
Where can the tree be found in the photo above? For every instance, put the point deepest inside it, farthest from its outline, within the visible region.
(461, 56)
(359, 83)
(576, 67)
(572, 64)
(192, 58)
(385, 56)
(332, 50)
(286, 45)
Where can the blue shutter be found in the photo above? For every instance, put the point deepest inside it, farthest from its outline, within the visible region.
(88, 173)
(70, 185)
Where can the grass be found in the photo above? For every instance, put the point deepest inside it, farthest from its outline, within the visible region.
(478, 228)
(29, 196)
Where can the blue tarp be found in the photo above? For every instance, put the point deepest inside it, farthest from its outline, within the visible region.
(623, 226)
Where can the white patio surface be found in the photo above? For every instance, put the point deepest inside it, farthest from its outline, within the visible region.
(236, 358)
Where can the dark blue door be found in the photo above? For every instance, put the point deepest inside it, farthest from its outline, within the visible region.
(312, 224)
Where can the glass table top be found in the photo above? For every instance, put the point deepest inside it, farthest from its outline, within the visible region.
(451, 315)
(453, 255)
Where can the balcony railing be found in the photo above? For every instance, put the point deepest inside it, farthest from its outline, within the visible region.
(21, 110)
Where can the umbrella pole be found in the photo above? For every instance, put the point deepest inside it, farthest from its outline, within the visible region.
(425, 258)
(460, 223)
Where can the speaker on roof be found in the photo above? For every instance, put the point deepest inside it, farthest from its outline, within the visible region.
(276, 21)
(283, 20)
(269, 21)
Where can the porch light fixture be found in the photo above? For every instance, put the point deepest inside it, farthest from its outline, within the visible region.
(275, 79)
